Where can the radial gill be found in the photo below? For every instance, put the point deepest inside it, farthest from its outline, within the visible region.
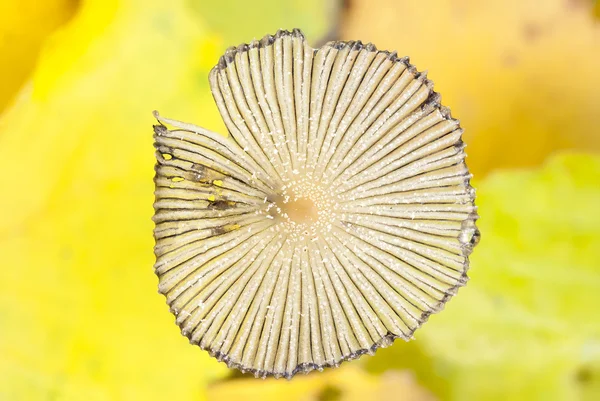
(335, 217)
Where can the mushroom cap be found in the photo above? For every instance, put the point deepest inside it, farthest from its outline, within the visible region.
(335, 217)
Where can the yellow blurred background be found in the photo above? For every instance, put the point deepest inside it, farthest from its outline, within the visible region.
(80, 318)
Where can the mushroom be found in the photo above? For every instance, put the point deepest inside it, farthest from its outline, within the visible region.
(335, 217)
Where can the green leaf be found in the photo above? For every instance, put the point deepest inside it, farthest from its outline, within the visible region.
(526, 326)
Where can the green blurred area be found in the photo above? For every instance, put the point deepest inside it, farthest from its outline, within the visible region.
(79, 316)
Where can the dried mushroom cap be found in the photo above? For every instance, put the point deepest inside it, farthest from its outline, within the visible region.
(335, 217)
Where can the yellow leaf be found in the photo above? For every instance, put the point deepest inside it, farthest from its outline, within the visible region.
(522, 76)
(79, 311)
(24, 25)
(348, 383)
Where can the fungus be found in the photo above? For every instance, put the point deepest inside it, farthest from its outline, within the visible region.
(335, 217)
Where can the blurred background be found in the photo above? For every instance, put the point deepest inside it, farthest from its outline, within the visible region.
(80, 317)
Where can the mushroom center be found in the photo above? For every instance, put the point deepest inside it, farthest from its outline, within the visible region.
(299, 210)
(303, 209)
